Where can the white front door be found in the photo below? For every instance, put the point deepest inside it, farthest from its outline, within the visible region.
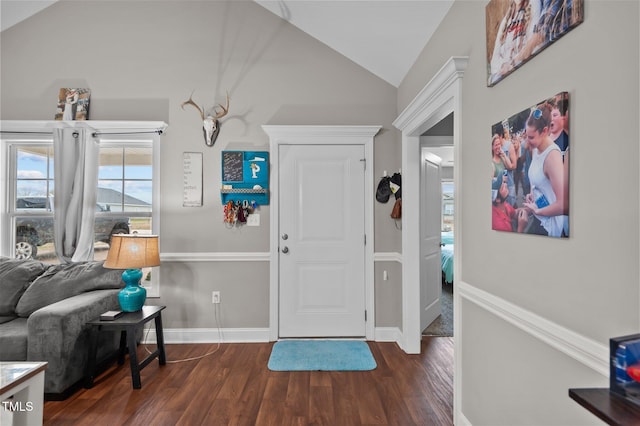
(321, 241)
(430, 224)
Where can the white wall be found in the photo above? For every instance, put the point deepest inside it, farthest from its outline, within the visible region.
(141, 60)
(583, 289)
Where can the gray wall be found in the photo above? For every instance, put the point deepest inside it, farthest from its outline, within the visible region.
(141, 60)
(587, 284)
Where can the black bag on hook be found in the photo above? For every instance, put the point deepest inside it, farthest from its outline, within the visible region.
(397, 179)
(383, 192)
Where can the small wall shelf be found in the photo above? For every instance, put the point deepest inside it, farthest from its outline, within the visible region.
(244, 191)
(245, 177)
(259, 196)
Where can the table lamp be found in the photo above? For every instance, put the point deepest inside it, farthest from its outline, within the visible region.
(132, 252)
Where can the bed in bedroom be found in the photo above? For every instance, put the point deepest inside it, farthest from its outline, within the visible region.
(446, 255)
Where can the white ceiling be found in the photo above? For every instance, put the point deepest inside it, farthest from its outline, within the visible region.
(15, 11)
(444, 152)
(383, 36)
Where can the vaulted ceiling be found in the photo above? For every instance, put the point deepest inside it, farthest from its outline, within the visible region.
(383, 36)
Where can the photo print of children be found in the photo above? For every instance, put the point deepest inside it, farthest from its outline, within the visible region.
(73, 104)
(530, 170)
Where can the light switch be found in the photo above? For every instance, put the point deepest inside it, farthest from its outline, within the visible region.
(253, 219)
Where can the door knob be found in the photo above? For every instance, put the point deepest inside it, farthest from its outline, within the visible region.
(285, 249)
(285, 237)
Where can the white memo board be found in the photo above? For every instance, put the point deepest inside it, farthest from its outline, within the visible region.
(192, 172)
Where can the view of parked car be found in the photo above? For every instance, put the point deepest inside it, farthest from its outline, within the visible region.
(33, 230)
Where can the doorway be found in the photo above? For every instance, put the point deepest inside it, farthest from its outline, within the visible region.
(439, 98)
(322, 287)
(281, 136)
(439, 141)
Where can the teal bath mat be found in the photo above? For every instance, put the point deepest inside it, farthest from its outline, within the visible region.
(321, 355)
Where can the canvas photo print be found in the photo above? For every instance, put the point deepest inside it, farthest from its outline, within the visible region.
(517, 30)
(73, 104)
(530, 170)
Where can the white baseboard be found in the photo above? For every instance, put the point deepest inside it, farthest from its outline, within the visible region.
(593, 354)
(210, 335)
(241, 335)
(390, 256)
(388, 334)
(462, 420)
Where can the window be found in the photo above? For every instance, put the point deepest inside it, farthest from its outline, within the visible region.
(125, 189)
(31, 190)
(447, 206)
(127, 194)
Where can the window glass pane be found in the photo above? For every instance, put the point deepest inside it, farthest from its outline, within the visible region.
(137, 196)
(110, 195)
(30, 188)
(109, 224)
(34, 238)
(447, 206)
(138, 163)
(111, 162)
(141, 225)
(34, 182)
(32, 162)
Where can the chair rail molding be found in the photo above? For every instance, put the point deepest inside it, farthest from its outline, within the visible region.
(583, 349)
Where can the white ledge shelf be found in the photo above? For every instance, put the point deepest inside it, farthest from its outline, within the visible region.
(21, 126)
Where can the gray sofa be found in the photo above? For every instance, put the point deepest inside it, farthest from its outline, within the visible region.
(43, 314)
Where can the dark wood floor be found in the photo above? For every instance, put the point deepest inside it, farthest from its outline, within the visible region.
(234, 387)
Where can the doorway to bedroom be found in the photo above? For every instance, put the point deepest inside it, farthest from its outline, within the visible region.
(438, 141)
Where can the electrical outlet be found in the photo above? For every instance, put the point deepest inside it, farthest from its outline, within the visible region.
(215, 297)
(385, 275)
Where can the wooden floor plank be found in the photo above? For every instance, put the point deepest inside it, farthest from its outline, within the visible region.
(233, 386)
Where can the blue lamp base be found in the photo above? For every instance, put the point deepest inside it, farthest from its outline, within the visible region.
(133, 295)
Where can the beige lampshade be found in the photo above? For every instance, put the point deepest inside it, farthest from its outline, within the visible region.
(132, 251)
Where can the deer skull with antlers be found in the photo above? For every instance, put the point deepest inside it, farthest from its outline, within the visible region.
(210, 123)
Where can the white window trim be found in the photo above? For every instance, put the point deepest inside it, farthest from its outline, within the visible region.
(20, 131)
(7, 238)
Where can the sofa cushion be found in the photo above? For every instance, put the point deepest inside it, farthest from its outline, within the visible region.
(15, 277)
(14, 340)
(7, 318)
(62, 281)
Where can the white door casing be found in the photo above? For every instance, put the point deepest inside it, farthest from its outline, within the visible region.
(281, 135)
(430, 237)
(440, 97)
(322, 288)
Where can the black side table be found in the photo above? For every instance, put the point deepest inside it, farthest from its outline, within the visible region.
(127, 324)
(607, 406)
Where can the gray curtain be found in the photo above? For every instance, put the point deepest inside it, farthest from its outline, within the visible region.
(76, 155)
